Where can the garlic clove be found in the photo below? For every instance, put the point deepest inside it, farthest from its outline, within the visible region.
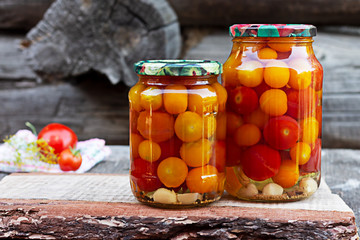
(163, 195)
(188, 198)
(273, 189)
(249, 190)
(309, 185)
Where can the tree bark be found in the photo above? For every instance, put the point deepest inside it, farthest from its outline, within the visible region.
(106, 36)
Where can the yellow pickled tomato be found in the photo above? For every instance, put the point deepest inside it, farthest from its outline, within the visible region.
(300, 153)
(172, 172)
(203, 179)
(203, 99)
(149, 151)
(151, 98)
(267, 53)
(209, 122)
(250, 73)
(300, 73)
(233, 121)
(257, 117)
(175, 99)
(229, 76)
(273, 102)
(232, 184)
(135, 140)
(221, 95)
(310, 130)
(288, 174)
(281, 45)
(247, 135)
(221, 126)
(134, 96)
(276, 74)
(196, 154)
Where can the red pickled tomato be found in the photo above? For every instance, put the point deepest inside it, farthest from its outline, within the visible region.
(260, 162)
(144, 175)
(243, 100)
(263, 87)
(301, 103)
(318, 116)
(314, 163)
(317, 74)
(219, 156)
(183, 188)
(282, 132)
(233, 153)
(283, 55)
(170, 148)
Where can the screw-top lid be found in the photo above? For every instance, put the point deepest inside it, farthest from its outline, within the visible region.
(178, 67)
(272, 30)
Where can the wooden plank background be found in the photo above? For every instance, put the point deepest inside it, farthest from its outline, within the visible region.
(94, 108)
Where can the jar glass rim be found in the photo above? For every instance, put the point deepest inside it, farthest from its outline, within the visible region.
(173, 67)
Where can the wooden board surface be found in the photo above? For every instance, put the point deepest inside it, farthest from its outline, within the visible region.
(116, 188)
(340, 169)
(325, 213)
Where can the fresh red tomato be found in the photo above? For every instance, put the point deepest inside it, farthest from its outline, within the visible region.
(144, 175)
(301, 103)
(281, 132)
(70, 160)
(58, 136)
(260, 162)
(314, 163)
(243, 100)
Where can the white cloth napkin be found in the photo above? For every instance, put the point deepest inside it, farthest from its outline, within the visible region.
(14, 157)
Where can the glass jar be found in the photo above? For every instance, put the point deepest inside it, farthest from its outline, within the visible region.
(274, 114)
(177, 133)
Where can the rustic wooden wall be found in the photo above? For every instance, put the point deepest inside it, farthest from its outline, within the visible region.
(90, 105)
(223, 13)
(24, 14)
(93, 107)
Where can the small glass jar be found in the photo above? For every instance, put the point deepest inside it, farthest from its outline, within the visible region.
(274, 113)
(177, 133)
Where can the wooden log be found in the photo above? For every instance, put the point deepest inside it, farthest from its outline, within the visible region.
(13, 65)
(22, 14)
(104, 207)
(226, 12)
(106, 36)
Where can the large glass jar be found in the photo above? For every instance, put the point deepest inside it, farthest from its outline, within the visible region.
(177, 133)
(274, 114)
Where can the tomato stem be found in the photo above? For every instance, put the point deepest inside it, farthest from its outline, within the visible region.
(74, 151)
(33, 129)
